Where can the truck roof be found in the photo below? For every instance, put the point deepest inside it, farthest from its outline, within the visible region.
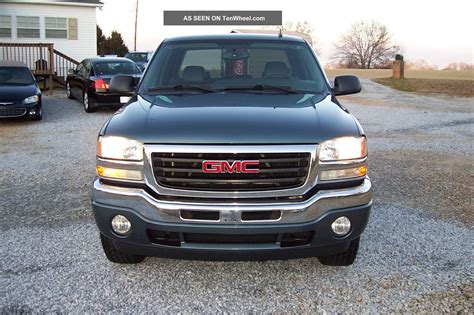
(236, 36)
(109, 59)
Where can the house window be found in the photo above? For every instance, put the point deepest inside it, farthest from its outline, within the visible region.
(28, 26)
(5, 26)
(55, 27)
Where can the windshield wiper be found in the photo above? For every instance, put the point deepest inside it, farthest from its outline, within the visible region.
(181, 87)
(263, 87)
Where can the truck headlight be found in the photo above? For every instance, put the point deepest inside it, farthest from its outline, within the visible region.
(345, 148)
(119, 148)
(31, 99)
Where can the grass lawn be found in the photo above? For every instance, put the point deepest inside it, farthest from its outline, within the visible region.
(410, 74)
(463, 88)
(455, 83)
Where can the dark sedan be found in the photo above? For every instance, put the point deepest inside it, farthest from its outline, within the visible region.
(20, 95)
(140, 58)
(89, 82)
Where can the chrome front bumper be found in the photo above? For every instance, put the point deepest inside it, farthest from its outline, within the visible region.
(156, 210)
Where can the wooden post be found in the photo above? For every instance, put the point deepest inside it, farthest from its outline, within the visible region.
(51, 68)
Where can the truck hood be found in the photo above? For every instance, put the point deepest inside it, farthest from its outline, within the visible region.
(233, 118)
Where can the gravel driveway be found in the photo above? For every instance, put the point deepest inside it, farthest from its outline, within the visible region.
(416, 255)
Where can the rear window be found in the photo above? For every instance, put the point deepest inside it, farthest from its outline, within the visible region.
(115, 67)
(229, 64)
(15, 75)
(137, 57)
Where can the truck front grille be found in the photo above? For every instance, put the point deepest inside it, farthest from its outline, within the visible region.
(12, 112)
(276, 171)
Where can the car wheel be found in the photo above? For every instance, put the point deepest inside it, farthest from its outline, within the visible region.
(86, 102)
(117, 256)
(38, 116)
(342, 259)
(68, 91)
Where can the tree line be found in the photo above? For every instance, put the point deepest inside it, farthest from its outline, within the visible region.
(110, 45)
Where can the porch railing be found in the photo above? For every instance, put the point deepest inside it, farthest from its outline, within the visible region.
(42, 59)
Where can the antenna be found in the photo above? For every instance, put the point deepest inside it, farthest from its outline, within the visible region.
(136, 19)
(280, 35)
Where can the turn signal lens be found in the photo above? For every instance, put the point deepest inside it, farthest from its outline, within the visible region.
(363, 170)
(118, 173)
(344, 173)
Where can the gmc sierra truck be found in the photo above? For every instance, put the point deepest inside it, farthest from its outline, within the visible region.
(232, 147)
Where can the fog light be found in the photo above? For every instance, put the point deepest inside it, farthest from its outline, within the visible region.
(121, 225)
(341, 226)
(32, 112)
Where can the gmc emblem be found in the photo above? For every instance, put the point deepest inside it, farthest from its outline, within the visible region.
(230, 167)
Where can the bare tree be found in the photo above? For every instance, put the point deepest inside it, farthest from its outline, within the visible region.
(459, 66)
(367, 45)
(420, 64)
(296, 26)
(299, 26)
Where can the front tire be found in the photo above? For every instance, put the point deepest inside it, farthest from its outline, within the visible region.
(86, 102)
(68, 91)
(342, 259)
(117, 256)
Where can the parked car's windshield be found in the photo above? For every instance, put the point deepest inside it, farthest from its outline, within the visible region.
(244, 65)
(137, 57)
(115, 67)
(15, 75)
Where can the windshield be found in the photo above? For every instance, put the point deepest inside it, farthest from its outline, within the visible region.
(15, 75)
(137, 57)
(248, 66)
(115, 67)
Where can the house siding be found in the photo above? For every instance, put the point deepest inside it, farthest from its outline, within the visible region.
(86, 44)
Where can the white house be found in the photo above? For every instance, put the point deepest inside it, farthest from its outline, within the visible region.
(69, 25)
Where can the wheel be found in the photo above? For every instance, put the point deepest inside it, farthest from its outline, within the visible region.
(116, 256)
(87, 105)
(38, 116)
(68, 91)
(342, 259)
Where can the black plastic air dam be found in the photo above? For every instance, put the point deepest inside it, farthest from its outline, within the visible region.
(324, 242)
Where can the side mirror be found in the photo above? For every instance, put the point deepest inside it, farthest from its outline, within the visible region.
(124, 84)
(39, 79)
(346, 84)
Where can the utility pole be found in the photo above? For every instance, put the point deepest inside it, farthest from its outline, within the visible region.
(136, 19)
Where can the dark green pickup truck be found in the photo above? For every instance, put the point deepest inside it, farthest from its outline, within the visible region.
(232, 147)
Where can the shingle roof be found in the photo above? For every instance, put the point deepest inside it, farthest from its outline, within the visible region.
(82, 1)
(72, 2)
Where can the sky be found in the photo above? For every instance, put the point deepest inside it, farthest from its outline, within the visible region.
(438, 31)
